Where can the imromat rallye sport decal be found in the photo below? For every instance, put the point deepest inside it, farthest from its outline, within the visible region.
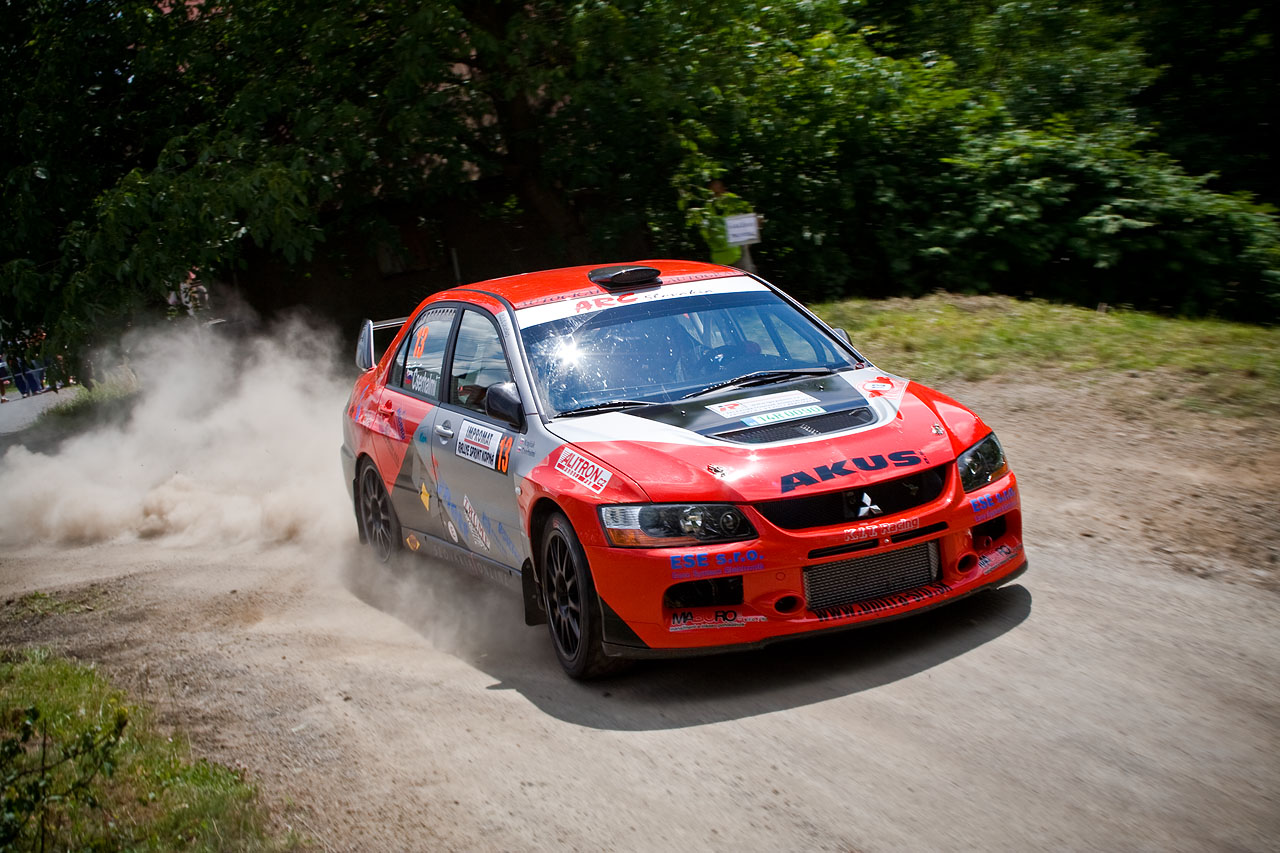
(670, 457)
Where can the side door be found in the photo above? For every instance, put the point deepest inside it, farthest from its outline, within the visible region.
(410, 402)
(472, 452)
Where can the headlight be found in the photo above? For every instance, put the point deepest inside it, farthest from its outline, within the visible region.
(671, 525)
(982, 463)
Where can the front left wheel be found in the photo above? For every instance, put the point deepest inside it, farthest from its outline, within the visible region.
(377, 516)
(569, 595)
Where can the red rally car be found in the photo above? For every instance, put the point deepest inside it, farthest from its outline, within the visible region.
(671, 457)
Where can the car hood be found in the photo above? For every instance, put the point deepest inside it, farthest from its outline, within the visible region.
(801, 437)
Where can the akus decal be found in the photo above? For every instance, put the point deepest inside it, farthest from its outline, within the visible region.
(756, 405)
(583, 470)
(822, 473)
(478, 443)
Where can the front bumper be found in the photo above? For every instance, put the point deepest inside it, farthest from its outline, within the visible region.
(789, 583)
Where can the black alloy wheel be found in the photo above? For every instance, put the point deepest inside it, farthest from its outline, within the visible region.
(377, 516)
(573, 617)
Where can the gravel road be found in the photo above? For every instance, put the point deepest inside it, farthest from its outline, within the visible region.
(1120, 696)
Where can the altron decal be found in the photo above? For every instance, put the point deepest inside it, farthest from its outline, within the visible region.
(583, 470)
(889, 602)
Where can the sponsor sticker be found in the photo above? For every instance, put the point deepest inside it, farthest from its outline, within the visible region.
(997, 557)
(478, 443)
(425, 497)
(755, 405)
(695, 566)
(997, 503)
(691, 620)
(883, 528)
(412, 542)
(789, 414)
(878, 386)
(889, 602)
(474, 525)
(583, 470)
(531, 313)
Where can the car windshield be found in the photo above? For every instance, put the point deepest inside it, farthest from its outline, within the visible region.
(663, 349)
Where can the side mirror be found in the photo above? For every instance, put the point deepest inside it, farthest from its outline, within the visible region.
(502, 402)
(843, 335)
(364, 347)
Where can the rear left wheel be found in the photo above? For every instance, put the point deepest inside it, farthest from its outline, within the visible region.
(377, 515)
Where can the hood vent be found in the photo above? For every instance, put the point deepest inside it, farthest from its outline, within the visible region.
(806, 428)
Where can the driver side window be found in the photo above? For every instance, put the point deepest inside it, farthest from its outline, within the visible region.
(478, 361)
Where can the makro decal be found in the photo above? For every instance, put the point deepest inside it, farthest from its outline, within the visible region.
(474, 526)
(789, 414)
(989, 506)
(583, 470)
(898, 459)
(889, 602)
(884, 528)
(688, 620)
(479, 444)
(685, 566)
(755, 405)
(993, 560)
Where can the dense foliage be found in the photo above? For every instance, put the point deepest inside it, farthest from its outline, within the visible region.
(893, 147)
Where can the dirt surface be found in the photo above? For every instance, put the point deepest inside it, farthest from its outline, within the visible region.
(1120, 696)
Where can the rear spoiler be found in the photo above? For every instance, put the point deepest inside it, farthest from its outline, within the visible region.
(365, 359)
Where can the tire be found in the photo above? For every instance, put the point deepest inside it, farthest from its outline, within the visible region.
(378, 520)
(569, 596)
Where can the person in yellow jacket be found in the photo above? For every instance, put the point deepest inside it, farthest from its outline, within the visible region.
(711, 226)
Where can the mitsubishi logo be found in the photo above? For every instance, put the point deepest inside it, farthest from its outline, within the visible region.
(868, 508)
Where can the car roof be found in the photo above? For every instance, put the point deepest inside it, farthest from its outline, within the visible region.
(534, 288)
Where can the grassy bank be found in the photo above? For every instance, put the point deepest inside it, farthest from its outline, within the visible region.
(1214, 364)
(87, 769)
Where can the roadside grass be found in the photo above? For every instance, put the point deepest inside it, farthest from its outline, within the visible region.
(40, 604)
(95, 773)
(85, 403)
(1213, 365)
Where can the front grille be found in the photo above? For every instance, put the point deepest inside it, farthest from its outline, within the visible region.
(891, 496)
(848, 581)
(806, 428)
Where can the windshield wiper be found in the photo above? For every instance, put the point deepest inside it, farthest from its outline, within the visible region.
(762, 377)
(609, 406)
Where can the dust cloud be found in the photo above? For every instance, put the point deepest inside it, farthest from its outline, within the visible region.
(230, 441)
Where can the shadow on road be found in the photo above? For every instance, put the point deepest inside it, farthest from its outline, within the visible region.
(483, 625)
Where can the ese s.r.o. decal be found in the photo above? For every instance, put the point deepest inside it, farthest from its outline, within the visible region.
(839, 468)
(583, 470)
(989, 506)
(685, 566)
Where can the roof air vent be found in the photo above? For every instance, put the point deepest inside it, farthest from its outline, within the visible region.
(625, 275)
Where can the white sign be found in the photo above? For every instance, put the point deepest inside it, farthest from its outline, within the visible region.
(742, 229)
